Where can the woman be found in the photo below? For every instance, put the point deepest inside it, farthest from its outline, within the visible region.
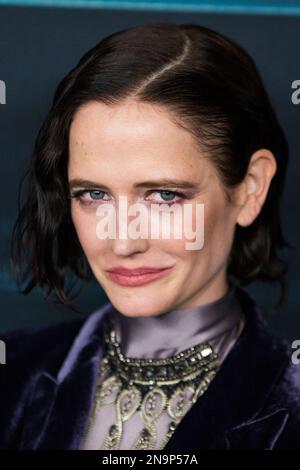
(180, 357)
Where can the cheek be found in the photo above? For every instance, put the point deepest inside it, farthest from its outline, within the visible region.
(215, 227)
(85, 226)
(219, 227)
(186, 241)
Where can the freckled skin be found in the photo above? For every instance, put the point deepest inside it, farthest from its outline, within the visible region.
(120, 145)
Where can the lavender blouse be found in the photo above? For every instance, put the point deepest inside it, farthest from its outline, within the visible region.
(219, 323)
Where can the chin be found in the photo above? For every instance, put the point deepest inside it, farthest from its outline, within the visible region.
(137, 308)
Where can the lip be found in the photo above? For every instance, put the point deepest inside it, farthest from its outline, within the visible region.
(137, 277)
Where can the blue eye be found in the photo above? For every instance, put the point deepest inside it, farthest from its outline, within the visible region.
(95, 194)
(88, 197)
(168, 196)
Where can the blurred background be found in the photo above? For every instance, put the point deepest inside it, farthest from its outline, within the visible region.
(40, 41)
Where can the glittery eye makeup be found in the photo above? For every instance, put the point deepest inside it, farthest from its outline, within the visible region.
(88, 197)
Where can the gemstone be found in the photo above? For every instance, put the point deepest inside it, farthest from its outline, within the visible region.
(205, 352)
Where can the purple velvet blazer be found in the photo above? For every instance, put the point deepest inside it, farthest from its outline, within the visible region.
(48, 383)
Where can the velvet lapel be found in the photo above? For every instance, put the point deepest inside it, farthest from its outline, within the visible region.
(225, 417)
(58, 413)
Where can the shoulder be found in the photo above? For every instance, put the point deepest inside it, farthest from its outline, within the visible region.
(45, 348)
(285, 397)
(37, 345)
(270, 378)
(31, 354)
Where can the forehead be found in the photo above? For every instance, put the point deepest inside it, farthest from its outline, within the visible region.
(138, 135)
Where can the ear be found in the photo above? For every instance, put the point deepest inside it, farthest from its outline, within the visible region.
(254, 188)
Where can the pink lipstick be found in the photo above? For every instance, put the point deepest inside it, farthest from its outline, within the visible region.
(136, 277)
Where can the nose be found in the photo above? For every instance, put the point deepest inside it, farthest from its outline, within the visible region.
(129, 247)
(131, 230)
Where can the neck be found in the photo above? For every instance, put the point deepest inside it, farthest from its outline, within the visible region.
(175, 330)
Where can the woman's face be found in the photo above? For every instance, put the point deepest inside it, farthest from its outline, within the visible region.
(119, 150)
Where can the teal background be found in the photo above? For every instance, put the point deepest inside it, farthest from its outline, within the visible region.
(238, 6)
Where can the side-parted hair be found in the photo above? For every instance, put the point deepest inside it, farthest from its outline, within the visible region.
(211, 87)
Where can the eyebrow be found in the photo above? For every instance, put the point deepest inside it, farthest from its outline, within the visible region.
(170, 183)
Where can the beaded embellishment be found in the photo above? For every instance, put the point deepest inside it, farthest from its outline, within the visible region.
(150, 387)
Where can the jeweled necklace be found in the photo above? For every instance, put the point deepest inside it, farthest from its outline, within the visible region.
(151, 386)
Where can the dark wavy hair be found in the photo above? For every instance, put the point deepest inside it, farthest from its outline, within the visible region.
(211, 86)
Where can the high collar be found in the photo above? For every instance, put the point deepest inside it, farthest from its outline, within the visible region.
(57, 415)
(173, 331)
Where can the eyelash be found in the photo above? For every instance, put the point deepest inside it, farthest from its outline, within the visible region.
(78, 196)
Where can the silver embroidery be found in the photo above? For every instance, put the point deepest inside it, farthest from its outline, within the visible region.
(150, 387)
